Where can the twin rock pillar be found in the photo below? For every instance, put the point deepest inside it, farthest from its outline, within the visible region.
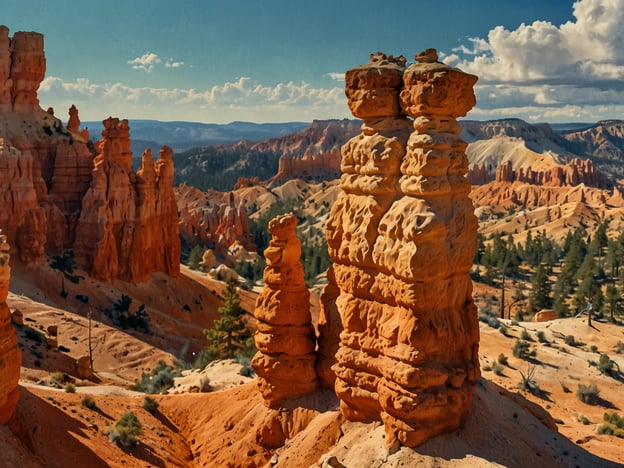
(402, 236)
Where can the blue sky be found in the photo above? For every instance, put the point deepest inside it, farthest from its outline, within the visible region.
(276, 61)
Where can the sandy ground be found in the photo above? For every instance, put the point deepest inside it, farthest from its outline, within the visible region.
(230, 426)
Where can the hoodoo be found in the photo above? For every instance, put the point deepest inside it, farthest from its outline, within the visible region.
(284, 337)
(402, 236)
(10, 356)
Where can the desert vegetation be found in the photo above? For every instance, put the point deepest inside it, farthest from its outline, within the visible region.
(583, 274)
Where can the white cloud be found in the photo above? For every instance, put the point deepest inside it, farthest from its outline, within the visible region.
(242, 99)
(145, 62)
(337, 76)
(173, 64)
(576, 65)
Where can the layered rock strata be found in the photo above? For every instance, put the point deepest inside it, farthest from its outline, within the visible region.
(285, 338)
(402, 236)
(128, 223)
(577, 171)
(10, 356)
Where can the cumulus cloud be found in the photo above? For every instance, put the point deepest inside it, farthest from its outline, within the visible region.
(544, 66)
(145, 62)
(241, 99)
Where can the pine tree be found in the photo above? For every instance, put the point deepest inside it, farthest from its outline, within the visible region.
(66, 264)
(196, 256)
(540, 290)
(229, 333)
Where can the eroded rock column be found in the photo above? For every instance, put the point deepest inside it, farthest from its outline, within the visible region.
(370, 166)
(10, 356)
(284, 337)
(402, 237)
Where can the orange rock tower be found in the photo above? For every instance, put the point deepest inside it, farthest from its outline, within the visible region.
(402, 236)
(284, 337)
(128, 223)
(10, 356)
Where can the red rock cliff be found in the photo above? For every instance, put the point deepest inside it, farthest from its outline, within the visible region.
(10, 356)
(402, 236)
(576, 172)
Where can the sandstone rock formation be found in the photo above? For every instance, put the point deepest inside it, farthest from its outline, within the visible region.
(576, 172)
(402, 237)
(10, 356)
(215, 220)
(128, 223)
(52, 194)
(285, 338)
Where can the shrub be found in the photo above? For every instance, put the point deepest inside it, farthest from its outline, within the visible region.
(606, 365)
(493, 322)
(70, 388)
(502, 359)
(527, 381)
(160, 379)
(59, 379)
(593, 348)
(88, 402)
(503, 329)
(521, 349)
(570, 340)
(126, 429)
(583, 419)
(541, 337)
(619, 347)
(587, 393)
(525, 335)
(204, 385)
(497, 368)
(149, 404)
(486, 368)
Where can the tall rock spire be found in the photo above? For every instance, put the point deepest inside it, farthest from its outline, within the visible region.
(402, 236)
(284, 337)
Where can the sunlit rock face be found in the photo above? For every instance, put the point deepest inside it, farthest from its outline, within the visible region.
(402, 236)
(10, 356)
(284, 338)
(54, 191)
(128, 223)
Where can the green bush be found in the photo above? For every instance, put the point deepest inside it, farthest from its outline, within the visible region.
(497, 368)
(521, 349)
(587, 393)
(160, 379)
(502, 359)
(126, 429)
(149, 404)
(570, 340)
(59, 379)
(584, 419)
(70, 388)
(88, 402)
(541, 337)
(525, 335)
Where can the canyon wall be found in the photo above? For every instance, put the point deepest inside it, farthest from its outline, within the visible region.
(215, 220)
(54, 192)
(128, 223)
(576, 172)
(402, 236)
(284, 337)
(10, 356)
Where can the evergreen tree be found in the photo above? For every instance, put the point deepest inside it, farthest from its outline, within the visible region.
(540, 290)
(66, 264)
(229, 334)
(196, 256)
